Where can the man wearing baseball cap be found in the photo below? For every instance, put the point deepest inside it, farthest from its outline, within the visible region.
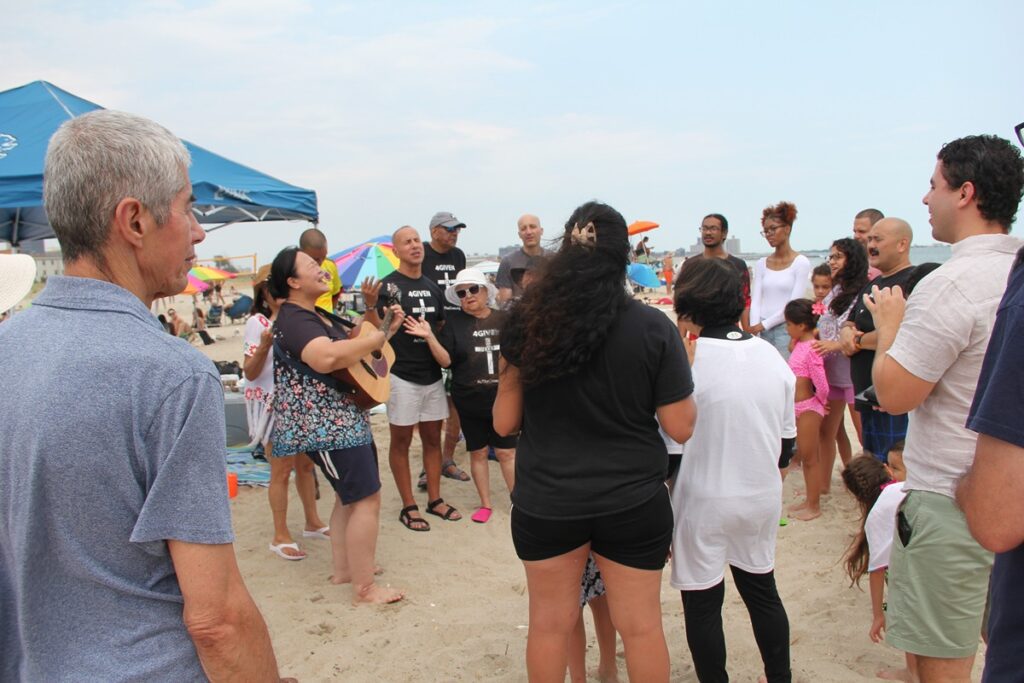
(442, 261)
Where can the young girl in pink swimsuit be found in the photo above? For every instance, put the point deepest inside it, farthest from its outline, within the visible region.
(811, 401)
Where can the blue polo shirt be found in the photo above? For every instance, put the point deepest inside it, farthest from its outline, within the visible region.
(111, 443)
(997, 411)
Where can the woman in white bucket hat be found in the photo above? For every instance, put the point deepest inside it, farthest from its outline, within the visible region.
(17, 273)
(469, 343)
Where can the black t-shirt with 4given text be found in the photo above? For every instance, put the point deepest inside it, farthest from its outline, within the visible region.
(860, 362)
(474, 345)
(590, 444)
(441, 269)
(420, 298)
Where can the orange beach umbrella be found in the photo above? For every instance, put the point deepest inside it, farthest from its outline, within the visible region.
(641, 226)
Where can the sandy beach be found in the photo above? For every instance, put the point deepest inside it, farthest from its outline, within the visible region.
(465, 617)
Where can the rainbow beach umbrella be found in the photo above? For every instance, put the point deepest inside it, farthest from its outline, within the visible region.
(373, 258)
(209, 273)
(194, 286)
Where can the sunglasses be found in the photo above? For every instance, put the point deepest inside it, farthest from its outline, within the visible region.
(472, 289)
(452, 229)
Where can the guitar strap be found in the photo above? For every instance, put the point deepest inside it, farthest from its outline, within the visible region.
(298, 366)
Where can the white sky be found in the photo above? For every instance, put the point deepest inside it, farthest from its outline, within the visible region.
(667, 111)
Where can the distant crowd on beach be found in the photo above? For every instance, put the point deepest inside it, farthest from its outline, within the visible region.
(628, 440)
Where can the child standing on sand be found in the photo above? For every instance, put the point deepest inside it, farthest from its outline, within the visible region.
(811, 400)
(592, 592)
(878, 489)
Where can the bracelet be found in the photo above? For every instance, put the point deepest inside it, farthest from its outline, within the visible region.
(856, 339)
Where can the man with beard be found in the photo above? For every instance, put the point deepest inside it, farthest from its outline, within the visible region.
(714, 230)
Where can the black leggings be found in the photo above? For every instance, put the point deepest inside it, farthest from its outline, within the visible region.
(702, 612)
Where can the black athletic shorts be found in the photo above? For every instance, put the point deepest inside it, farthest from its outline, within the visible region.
(353, 472)
(639, 537)
(478, 427)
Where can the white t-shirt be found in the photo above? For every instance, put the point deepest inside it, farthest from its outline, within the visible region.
(773, 289)
(263, 385)
(942, 339)
(727, 496)
(880, 526)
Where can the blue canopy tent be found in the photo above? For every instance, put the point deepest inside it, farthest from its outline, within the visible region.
(226, 192)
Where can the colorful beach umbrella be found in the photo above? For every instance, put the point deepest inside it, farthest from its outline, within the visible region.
(641, 226)
(210, 274)
(373, 258)
(194, 286)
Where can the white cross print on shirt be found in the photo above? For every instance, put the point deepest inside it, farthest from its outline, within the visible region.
(488, 348)
(423, 308)
(446, 281)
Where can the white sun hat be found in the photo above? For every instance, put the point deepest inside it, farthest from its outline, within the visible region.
(17, 273)
(470, 276)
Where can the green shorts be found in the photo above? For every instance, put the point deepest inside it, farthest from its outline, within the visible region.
(938, 581)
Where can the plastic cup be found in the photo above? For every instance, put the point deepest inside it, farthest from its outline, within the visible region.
(232, 484)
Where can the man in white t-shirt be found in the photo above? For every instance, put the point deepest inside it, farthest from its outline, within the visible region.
(928, 359)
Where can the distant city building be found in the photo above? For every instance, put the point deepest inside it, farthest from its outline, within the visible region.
(505, 251)
(47, 264)
(732, 245)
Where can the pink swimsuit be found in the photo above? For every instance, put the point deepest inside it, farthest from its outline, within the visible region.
(804, 361)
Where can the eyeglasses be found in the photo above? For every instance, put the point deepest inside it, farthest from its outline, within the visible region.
(1019, 130)
(472, 289)
(835, 257)
(711, 228)
(767, 232)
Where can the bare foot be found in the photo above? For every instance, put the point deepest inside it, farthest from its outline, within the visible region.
(347, 578)
(611, 676)
(807, 514)
(802, 505)
(894, 675)
(378, 595)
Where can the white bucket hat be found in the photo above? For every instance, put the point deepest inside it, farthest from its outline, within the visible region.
(470, 276)
(17, 273)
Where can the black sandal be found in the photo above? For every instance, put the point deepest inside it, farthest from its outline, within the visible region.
(408, 520)
(447, 516)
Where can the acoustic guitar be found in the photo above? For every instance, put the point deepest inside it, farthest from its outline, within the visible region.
(370, 377)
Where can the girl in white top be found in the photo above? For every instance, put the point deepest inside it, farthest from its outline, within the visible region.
(778, 279)
(727, 495)
(258, 368)
(878, 489)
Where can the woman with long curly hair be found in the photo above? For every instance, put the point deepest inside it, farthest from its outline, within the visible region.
(584, 371)
(848, 261)
(778, 278)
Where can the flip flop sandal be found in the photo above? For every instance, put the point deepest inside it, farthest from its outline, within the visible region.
(279, 551)
(481, 516)
(422, 483)
(447, 515)
(452, 471)
(408, 520)
(320, 533)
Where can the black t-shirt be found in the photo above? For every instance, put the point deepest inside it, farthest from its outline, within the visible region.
(295, 327)
(590, 444)
(474, 345)
(421, 298)
(860, 362)
(441, 269)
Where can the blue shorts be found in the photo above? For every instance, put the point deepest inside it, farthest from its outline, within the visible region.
(881, 430)
(353, 472)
